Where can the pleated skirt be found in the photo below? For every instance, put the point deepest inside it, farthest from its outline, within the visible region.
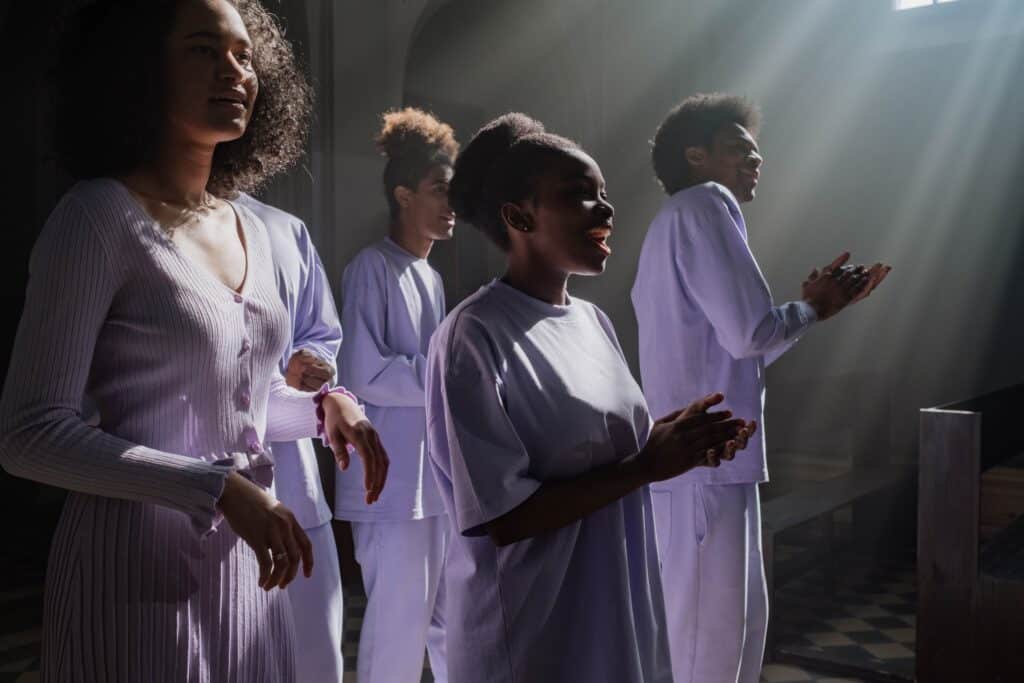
(133, 594)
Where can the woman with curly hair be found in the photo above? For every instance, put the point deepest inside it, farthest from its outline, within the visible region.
(392, 301)
(154, 292)
(541, 440)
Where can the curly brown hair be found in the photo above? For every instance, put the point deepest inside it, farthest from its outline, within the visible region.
(99, 132)
(693, 123)
(414, 142)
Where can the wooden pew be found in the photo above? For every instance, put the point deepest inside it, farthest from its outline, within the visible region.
(970, 623)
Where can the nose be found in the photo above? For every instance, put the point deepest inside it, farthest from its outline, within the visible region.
(756, 160)
(230, 70)
(605, 210)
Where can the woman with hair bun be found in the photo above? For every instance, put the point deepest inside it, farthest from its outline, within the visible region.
(392, 301)
(541, 440)
(154, 292)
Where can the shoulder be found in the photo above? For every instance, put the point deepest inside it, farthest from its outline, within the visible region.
(703, 199)
(275, 219)
(100, 209)
(369, 258)
(470, 326)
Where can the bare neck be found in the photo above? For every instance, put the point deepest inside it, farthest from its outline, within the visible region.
(537, 280)
(409, 238)
(178, 173)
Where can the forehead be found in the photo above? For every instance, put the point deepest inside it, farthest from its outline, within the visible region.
(574, 165)
(439, 173)
(217, 19)
(734, 132)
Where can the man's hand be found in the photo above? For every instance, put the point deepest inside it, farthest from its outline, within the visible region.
(838, 285)
(307, 372)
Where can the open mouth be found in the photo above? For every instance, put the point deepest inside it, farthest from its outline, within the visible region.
(599, 236)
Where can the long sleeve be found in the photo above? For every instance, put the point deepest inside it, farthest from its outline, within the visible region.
(72, 285)
(370, 368)
(291, 413)
(315, 327)
(719, 270)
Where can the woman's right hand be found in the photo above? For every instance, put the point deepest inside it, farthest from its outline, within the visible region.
(269, 528)
(692, 437)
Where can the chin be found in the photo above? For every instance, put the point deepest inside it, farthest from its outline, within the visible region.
(592, 268)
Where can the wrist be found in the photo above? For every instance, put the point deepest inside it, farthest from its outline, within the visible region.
(636, 468)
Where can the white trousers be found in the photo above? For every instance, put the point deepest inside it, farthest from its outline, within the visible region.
(402, 565)
(712, 574)
(318, 613)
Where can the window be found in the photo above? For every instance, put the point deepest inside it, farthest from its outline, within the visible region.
(912, 4)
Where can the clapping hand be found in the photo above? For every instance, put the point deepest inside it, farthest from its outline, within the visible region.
(838, 285)
(693, 437)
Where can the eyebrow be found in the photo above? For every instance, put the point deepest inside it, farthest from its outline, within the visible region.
(216, 36)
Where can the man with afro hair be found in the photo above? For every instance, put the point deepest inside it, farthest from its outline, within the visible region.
(392, 301)
(707, 323)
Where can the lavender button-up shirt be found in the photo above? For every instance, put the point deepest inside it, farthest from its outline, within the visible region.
(306, 294)
(706, 320)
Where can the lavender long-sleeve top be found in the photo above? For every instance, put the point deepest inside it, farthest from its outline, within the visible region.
(392, 301)
(707, 321)
(306, 294)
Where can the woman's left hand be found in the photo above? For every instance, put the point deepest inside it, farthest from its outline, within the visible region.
(345, 423)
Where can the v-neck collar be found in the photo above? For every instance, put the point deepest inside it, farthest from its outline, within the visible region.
(241, 228)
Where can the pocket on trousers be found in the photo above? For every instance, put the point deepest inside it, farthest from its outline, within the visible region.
(661, 506)
(700, 514)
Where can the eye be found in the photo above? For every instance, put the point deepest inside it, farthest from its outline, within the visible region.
(244, 58)
(204, 50)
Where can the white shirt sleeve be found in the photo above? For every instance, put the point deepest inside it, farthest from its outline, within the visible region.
(719, 270)
(370, 368)
(470, 431)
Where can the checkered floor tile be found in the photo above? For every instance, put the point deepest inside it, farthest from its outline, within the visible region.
(868, 624)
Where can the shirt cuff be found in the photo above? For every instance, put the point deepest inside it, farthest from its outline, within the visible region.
(807, 312)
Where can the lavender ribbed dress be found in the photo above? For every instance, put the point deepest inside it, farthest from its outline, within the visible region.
(144, 584)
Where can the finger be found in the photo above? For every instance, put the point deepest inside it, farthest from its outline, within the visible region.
(686, 424)
(814, 275)
(702, 405)
(714, 436)
(838, 262)
(294, 555)
(305, 549)
(369, 457)
(384, 464)
(729, 452)
(711, 458)
(279, 554)
(266, 562)
(339, 446)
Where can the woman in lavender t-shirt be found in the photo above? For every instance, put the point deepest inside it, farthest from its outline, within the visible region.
(541, 440)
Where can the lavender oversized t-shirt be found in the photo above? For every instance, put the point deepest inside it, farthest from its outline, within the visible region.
(520, 392)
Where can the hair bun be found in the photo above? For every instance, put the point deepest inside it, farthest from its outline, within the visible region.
(480, 156)
(414, 132)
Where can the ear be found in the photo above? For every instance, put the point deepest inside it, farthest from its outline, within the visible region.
(516, 218)
(403, 195)
(696, 156)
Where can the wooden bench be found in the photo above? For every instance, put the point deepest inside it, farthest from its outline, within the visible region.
(970, 621)
(814, 500)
